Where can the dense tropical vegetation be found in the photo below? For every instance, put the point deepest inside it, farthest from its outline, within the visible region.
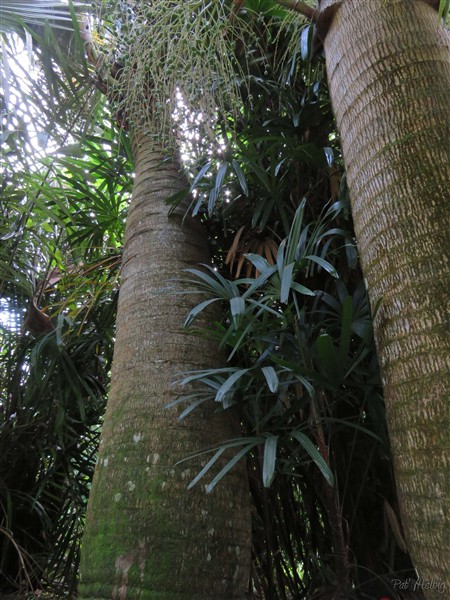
(65, 186)
(265, 179)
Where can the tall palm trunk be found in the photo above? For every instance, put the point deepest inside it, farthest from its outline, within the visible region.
(147, 536)
(389, 76)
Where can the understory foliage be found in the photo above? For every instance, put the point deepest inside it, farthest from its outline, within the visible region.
(294, 326)
(65, 178)
(296, 331)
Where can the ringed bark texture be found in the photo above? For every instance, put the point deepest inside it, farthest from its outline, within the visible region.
(388, 68)
(147, 537)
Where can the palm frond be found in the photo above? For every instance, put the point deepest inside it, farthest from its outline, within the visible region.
(38, 12)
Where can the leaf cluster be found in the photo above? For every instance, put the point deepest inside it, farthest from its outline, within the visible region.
(66, 180)
(295, 328)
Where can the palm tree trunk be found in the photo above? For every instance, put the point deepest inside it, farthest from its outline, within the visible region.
(389, 77)
(147, 536)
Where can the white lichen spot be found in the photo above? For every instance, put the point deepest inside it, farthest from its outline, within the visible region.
(137, 437)
(186, 473)
(156, 458)
(204, 512)
(163, 485)
(147, 469)
(208, 558)
(211, 531)
(105, 462)
(131, 486)
(117, 497)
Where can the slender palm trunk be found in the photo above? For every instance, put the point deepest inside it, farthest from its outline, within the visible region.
(389, 76)
(147, 536)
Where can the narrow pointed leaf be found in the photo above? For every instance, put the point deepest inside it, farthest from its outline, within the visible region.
(222, 171)
(206, 468)
(324, 264)
(229, 466)
(286, 280)
(229, 383)
(237, 307)
(306, 41)
(197, 310)
(271, 377)
(201, 174)
(301, 289)
(241, 177)
(259, 262)
(314, 453)
(269, 461)
(280, 257)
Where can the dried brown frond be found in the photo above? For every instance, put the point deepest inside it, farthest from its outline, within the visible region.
(250, 242)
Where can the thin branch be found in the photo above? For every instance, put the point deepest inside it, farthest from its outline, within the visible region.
(300, 7)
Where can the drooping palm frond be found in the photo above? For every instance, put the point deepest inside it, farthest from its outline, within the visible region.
(37, 12)
(161, 54)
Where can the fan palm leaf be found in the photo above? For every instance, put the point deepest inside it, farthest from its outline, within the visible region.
(36, 12)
